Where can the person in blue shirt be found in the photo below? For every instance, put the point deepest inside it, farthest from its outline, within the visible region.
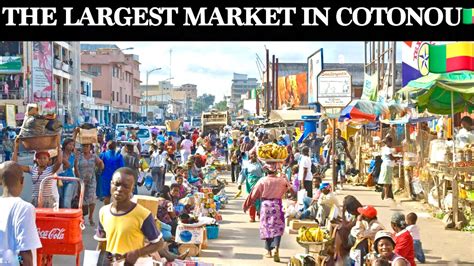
(68, 191)
(113, 160)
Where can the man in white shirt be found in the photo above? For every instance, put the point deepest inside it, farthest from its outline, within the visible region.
(327, 200)
(18, 233)
(304, 173)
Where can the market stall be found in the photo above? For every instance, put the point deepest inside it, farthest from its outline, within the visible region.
(450, 161)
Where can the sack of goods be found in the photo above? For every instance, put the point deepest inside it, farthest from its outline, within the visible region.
(35, 124)
(271, 152)
(39, 132)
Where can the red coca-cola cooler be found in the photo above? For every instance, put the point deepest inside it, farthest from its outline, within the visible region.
(60, 230)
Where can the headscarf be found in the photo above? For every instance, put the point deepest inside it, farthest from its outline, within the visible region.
(38, 153)
(325, 185)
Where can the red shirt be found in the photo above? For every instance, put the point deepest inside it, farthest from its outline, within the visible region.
(404, 246)
(194, 138)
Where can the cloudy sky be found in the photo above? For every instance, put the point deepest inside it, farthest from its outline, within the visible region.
(210, 65)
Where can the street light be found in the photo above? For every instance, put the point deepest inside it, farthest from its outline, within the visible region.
(146, 91)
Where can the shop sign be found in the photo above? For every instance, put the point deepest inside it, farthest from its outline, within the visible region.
(315, 66)
(334, 88)
(10, 64)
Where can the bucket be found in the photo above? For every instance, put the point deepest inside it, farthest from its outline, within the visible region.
(212, 231)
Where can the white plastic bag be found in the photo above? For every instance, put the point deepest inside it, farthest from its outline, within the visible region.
(302, 194)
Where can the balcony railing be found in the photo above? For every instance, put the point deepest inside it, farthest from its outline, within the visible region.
(13, 94)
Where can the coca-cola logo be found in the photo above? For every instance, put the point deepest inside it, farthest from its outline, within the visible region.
(54, 233)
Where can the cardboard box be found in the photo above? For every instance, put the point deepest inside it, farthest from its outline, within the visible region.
(149, 202)
(297, 224)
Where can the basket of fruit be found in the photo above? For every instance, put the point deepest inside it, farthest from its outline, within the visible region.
(272, 153)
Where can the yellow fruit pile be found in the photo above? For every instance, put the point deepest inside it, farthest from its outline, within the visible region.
(272, 151)
(314, 234)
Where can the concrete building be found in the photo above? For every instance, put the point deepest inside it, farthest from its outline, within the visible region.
(67, 75)
(116, 81)
(47, 73)
(241, 84)
(172, 101)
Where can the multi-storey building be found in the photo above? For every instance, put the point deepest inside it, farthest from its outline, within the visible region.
(116, 81)
(47, 73)
(241, 84)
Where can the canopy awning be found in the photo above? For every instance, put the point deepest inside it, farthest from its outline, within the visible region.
(290, 115)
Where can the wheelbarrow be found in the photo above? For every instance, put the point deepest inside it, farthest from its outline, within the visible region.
(60, 230)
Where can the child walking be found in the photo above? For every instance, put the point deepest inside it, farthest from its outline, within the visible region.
(415, 233)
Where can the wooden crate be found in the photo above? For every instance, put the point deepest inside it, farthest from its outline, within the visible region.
(149, 202)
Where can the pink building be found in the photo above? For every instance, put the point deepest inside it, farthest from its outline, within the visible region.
(116, 81)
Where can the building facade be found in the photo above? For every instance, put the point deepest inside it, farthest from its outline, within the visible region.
(116, 81)
(47, 73)
(241, 84)
(163, 102)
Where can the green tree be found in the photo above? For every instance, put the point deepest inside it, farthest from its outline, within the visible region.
(203, 102)
(221, 106)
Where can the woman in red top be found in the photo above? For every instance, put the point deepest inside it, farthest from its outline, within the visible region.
(403, 239)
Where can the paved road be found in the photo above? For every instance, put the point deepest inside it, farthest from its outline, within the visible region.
(239, 243)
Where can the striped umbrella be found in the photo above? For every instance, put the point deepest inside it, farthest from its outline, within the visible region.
(363, 110)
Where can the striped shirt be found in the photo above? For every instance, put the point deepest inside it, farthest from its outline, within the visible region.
(50, 187)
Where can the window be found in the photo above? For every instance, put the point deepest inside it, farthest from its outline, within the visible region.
(113, 96)
(126, 98)
(97, 94)
(115, 72)
(95, 70)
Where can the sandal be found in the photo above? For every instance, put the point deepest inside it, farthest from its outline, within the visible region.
(276, 257)
(91, 223)
(268, 255)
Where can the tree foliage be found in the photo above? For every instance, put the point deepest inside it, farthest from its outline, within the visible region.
(221, 106)
(203, 102)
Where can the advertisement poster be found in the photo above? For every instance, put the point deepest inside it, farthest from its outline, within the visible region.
(42, 76)
(315, 66)
(292, 91)
(335, 88)
(369, 91)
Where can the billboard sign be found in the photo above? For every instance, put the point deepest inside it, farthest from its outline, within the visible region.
(42, 76)
(335, 88)
(10, 64)
(292, 91)
(315, 66)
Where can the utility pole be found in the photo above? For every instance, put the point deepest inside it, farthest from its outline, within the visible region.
(267, 89)
(146, 90)
(276, 84)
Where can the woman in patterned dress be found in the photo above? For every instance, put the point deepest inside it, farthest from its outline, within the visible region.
(85, 168)
(270, 190)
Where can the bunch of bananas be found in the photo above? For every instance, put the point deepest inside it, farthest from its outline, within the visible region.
(272, 151)
(313, 234)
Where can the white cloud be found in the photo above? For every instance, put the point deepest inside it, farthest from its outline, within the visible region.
(210, 65)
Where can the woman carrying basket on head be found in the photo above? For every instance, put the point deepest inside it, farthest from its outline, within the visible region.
(270, 190)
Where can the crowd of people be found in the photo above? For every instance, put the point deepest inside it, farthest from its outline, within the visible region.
(113, 170)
